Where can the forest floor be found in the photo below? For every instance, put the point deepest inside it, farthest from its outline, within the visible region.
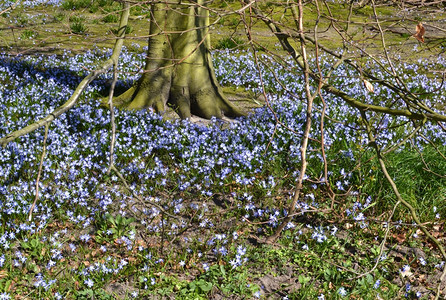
(278, 269)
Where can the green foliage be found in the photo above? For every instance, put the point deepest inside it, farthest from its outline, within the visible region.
(197, 287)
(28, 34)
(99, 294)
(22, 19)
(76, 4)
(230, 42)
(93, 9)
(218, 278)
(128, 29)
(110, 18)
(33, 247)
(78, 27)
(93, 6)
(405, 35)
(77, 24)
(60, 16)
(111, 228)
(423, 183)
(104, 3)
(77, 18)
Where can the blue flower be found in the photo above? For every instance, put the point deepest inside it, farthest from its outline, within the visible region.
(2, 260)
(342, 291)
(377, 284)
(206, 267)
(5, 296)
(88, 282)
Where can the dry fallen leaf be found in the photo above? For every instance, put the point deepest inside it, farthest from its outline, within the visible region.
(400, 237)
(368, 86)
(3, 274)
(419, 35)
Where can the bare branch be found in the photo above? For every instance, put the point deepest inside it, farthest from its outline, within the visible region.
(14, 5)
(42, 157)
(80, 88)
(112, 117)
(411, 209)
(298, 17)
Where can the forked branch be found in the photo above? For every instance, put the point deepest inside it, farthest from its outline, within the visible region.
(421, 113)
(400, 199)
(303, 150)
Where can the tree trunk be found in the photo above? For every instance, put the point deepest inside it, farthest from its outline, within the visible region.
(178, 68)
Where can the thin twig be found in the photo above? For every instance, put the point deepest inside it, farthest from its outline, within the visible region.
(303, 150)
(381, 247)
(141, 201)
(259, 70)
(10, 8)
(411, 99)
(112, 117)
(331, 194)
(79, 89)
(30, 215)
(400, 198)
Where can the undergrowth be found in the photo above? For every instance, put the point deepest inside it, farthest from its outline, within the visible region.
(200, 199)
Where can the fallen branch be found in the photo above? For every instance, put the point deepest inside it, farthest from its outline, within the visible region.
(80, 88)
(10, 8)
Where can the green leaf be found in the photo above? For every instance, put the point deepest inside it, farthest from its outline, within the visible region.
(303, 279)
(205, 286)
(222, 270)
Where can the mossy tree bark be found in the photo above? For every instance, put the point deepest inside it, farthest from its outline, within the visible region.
(178, 70)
